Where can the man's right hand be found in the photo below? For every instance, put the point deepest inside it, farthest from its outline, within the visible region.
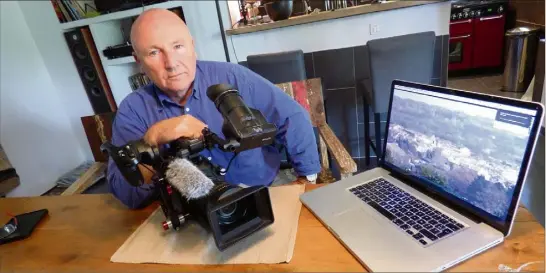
(168, 130)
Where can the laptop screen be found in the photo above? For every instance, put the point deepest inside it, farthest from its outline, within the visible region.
(465, 148)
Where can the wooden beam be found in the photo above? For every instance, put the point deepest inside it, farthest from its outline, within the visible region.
(340, 155)
(324, 154)
(86, 180)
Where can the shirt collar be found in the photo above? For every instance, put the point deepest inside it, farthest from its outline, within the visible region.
(163, 98)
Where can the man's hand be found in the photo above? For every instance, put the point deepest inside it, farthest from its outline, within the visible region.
(168, 130)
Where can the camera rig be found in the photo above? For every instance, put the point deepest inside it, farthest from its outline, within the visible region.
(230, 212)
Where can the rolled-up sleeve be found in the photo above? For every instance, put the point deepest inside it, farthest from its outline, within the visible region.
(126, 127)
(292, 120)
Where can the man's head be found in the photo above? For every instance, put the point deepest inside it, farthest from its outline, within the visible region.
(164, 47)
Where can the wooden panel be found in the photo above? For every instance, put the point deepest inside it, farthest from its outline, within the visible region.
(323, 153)
(4, 161)
(316, 101)
(299, 90)
(98, 129)
(6, 185)
(309, 95)
(344, 160)
(86, 180)
(9, 179)
(287, 88)
(528, 13)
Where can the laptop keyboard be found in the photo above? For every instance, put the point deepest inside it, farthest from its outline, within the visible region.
(422, 222)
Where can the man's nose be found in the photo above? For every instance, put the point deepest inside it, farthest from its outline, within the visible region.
(170, 63)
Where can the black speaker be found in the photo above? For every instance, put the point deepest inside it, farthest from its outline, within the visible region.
(87, 61)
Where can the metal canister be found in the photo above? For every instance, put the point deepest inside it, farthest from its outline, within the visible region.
(520, 55)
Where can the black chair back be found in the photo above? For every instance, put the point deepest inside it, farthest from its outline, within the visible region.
(406, 57)
(287, 66)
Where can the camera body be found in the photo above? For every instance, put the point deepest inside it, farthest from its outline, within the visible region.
(229, 212)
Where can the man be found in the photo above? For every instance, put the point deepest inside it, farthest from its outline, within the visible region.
(176, 106)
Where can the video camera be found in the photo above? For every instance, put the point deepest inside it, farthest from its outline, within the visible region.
(230, 212)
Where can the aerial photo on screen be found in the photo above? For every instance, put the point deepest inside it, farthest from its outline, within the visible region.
(458, 147)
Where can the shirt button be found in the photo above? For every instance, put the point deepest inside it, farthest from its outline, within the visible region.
(187, 109)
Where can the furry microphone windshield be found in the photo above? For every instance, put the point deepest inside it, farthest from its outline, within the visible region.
(188, 179)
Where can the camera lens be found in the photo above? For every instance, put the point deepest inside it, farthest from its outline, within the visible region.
(230, 103)
(230, 213)
(226, 214)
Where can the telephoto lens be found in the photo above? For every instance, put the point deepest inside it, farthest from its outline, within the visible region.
(248, 126)
(228, 101)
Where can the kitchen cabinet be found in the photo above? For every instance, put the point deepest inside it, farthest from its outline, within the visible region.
(461, 41)
(488, 41)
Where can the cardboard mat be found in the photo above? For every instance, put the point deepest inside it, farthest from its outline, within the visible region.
(192, 244)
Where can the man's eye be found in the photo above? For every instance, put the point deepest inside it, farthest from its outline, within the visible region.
(178, 46)
(153, 53)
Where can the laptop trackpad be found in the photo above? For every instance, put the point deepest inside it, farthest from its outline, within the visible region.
(373, 238)
(358, 221)
(360, 215)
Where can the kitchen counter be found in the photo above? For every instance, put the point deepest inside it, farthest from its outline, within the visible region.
(327, 15)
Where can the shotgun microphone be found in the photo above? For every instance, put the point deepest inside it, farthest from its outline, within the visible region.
(191, 182)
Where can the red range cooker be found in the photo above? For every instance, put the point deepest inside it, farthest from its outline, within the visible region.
(476, 33)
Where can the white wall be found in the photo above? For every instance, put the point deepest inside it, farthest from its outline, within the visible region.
(342, 32)
(225, 7)
(35, 130)
(43, 24)
(202, 20)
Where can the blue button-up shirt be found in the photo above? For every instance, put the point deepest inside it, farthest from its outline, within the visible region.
(148, 105)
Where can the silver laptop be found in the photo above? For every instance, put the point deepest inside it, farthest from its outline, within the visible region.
(447, 187)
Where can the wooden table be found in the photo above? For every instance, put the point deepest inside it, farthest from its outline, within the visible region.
(81, 233)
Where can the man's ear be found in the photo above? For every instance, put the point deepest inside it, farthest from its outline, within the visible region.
(137, 60)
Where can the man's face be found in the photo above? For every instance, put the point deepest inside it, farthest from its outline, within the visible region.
(167, 55)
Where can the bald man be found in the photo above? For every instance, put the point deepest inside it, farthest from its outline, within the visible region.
(175, 105)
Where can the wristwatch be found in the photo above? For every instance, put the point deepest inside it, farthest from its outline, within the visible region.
(312, 178)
